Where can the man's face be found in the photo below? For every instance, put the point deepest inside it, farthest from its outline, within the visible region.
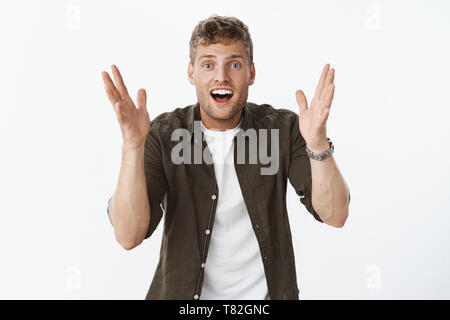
(225, 67)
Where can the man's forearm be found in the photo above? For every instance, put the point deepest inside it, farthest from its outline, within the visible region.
(129, 208)
(330, 193)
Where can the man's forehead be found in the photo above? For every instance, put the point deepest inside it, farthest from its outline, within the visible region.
(219, 50)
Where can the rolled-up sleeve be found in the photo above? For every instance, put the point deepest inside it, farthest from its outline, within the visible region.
(155, 178)
(300, 169)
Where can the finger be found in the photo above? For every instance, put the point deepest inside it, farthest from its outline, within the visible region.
(328, 97)
(110, 84)
(111, 95)
(301, 100)
(321, 81)
(119, 81)
(328, 81)
(142, 100)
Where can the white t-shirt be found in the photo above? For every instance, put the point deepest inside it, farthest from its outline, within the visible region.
(233, 268)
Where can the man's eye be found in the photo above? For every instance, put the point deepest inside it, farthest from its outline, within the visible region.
(207, 66)
(236, 65)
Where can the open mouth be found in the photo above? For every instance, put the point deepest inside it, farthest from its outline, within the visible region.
(221, 95)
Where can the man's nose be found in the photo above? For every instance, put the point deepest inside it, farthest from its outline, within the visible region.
(221, 74)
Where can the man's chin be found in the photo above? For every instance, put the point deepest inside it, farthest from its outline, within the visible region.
(224, 113)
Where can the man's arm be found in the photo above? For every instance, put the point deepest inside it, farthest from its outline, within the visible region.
(330, 195)
(129, 209)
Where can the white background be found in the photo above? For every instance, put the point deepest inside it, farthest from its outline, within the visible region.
(61, 143)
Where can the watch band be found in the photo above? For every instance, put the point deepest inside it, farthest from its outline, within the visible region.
(323, 155)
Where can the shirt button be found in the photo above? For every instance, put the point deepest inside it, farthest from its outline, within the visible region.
(207, 231)
(265, 257)
(257, 226)
(196, 297)
(213, 197)
(203, 265)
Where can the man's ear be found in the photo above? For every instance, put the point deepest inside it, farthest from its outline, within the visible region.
(191, 73)
(252, 74)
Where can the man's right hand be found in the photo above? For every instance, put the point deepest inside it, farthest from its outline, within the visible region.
(134, 122)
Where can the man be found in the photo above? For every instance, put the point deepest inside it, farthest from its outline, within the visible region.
(227, 210)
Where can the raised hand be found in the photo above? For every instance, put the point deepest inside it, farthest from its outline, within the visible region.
(312, 120)
(134, 122)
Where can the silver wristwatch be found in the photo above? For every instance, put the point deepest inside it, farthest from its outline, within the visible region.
(323, 155)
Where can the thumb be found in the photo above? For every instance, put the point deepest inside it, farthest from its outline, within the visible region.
(142, 100)
(301, 100)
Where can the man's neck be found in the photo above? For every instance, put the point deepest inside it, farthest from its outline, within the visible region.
(220, 125)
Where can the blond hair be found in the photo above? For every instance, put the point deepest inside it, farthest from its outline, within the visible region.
(220, 29)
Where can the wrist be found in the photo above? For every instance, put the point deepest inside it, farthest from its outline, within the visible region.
(132, 149)
(321, 153)
(319, 148)
(130, 153)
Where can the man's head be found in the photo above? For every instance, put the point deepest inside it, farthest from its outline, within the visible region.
(221, 58)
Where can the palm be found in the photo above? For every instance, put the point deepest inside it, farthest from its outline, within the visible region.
(134, 122)
(312, 120)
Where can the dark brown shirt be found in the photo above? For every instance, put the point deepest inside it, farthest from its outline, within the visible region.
(187, 194)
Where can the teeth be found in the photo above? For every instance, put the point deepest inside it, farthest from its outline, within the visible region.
(222, 91)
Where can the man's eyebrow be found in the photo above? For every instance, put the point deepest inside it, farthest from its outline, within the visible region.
(207, 56)
(233, 56)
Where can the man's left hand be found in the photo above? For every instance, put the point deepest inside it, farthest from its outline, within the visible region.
(312, 120)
